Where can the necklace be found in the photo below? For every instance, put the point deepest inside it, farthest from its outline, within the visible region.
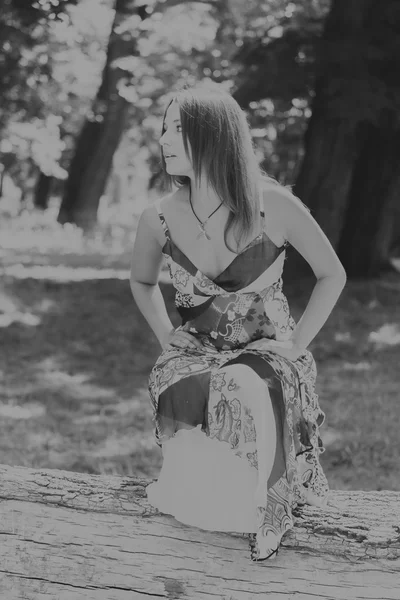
(201, 224)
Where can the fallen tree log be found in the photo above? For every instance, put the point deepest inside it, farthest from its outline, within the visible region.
(73, 536)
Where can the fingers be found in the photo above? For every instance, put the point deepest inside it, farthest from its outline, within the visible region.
(182, 339)
(268, 343)
(191, 339)
(281, 343)
(258, 345)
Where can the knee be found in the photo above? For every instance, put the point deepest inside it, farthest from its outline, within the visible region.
(256, 390)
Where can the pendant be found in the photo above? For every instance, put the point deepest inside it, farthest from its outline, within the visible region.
(203, 232)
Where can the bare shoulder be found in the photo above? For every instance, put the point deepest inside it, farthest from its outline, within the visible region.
(151, 220)
(293, 218)
(147, 249)
(285, 211)
(280, 202)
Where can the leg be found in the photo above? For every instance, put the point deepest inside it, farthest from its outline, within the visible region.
(259, 402)
(256, 396)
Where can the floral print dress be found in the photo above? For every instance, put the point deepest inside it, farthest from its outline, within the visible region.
(202, 399)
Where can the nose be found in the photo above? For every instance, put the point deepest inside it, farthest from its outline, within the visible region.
(165, 148)
(162, 139)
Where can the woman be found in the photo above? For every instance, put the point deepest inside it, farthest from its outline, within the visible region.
(234, 406)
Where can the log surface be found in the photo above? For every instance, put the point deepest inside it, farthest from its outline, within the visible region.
(73, 536)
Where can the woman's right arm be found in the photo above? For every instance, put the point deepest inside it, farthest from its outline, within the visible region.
(145, 271)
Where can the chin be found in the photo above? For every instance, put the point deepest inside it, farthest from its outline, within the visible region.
(175, 172)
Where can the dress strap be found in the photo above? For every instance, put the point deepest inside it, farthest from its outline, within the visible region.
(162, 218)
(262, 213)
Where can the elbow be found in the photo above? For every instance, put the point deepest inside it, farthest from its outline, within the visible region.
(133, 285)
(338, 275)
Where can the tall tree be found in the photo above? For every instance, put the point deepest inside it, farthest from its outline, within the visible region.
(101, 133)
(350, 176)
(102, 130)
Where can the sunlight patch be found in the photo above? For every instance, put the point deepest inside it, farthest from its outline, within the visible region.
(387, 335)
(45, 305)
(64, 274)
(77, 385)
(7, 304)
(330, 435)
(121, 445)
(342, 337)
(10, 313)
(360, 366)
(6, 319)
(28, 411)
(108, 411)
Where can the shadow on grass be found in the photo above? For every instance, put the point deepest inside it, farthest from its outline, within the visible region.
(76, 357)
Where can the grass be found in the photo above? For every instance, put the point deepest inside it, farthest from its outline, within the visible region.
(76, 354)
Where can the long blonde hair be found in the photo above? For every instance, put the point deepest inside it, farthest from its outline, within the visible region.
(219, 135)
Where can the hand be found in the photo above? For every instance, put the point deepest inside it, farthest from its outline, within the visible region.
(180, 339)
(288, 349)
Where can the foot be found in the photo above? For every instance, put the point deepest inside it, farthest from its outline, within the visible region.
(263, 551)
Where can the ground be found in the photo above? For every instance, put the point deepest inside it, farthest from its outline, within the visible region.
(75, 354)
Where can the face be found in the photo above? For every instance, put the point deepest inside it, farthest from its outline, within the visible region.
(172, 143)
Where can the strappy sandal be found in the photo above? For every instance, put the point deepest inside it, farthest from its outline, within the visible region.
(254, 550)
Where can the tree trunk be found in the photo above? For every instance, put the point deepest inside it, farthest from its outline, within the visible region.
(101, 133)
(325, 177)
(2, 174)
(348, 176)
(75, 536)
(365, 243)
(42, 191)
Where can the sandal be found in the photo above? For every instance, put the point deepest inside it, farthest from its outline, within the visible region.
(254, 550)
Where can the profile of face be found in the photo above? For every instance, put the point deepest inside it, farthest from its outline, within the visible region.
(177, 162)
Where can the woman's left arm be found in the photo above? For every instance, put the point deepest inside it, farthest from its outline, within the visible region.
(306, 236)
(293, 219)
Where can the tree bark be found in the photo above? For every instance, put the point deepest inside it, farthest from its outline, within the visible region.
(365, 243)
(42, 191)
(348, 176)
(101, 133)
(2, 175)
(75, 536)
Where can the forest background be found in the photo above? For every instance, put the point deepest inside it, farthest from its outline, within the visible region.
(83, 86)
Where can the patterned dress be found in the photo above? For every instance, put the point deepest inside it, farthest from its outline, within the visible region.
(203, 399)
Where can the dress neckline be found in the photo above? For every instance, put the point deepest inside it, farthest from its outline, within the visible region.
(259, 238)
(254, 241)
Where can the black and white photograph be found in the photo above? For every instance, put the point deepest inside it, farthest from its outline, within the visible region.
(199, 299)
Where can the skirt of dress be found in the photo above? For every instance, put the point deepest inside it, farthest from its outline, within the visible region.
(206, 416)
(198, 484)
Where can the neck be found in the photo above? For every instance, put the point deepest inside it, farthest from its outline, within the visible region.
(204, 199)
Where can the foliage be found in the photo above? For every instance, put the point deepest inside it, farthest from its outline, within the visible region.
(50, 87)
(24, 57)
(57, 69)
(263, 54)
(360, 61)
